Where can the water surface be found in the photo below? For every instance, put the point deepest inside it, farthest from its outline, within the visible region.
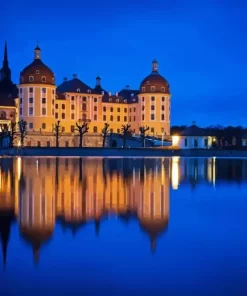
(121, 226)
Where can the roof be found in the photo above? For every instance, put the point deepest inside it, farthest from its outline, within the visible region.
(155, 80)
(99, 90)
(74, 85)
(8, 92)
(194, 130)
(107, 98)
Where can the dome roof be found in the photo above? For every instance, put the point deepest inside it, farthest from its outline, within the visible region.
(155, 83)
(37, 72)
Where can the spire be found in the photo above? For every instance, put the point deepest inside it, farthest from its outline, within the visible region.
(37, 52)
(5, 59)
(154, 66)
(5, 72)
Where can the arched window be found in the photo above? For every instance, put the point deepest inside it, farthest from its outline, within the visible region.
(163, 89)
(78, 90)
(43, 79)
(3, 115)
(143, 89)
(31, 78)
(152, 88)
(95, 129)
(37, 71)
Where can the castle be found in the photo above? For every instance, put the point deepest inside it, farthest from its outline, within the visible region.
(38, 101)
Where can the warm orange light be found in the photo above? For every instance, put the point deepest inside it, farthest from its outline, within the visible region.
(175, 140)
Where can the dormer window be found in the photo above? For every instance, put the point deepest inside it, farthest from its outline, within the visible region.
(89, 91)
(143, 89)
(125, 101)
(78, 90)
(37, 71)
(110, 99)
(163, 89)
(152, 88)
(148, 82)
(21, 79)
(43, 79)
(117, 100)
(31, 78)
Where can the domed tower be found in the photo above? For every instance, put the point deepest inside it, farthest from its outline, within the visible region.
(154, 103)
(37, 95)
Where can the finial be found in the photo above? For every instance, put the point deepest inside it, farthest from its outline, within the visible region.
(155, 66)
(37, 52)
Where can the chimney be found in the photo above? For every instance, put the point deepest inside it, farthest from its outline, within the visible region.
(74, 76)
(65, 79)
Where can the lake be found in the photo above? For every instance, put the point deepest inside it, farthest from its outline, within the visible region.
(123, 226)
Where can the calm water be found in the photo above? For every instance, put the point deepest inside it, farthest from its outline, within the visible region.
(115, 226)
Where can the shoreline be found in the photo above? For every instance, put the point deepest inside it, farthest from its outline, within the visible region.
(119, 152)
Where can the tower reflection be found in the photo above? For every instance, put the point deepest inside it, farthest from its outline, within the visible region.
(73, 192)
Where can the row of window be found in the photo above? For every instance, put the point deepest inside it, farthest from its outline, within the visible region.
(153, 108)
(30, 89)
(153, 99)
(163, 89)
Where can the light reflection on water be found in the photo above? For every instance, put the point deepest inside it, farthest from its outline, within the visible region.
(114, 211)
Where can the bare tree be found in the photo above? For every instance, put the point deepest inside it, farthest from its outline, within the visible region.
(125, 133)
(105, 131)
(57, 132)
(143, 131)
(12, 134)
(82, 129)
(22, 130)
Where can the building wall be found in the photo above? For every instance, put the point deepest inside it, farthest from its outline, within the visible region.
(180, 141)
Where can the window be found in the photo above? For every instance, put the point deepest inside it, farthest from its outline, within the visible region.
(143, 117)
(84, 99)
(152, 107)
(52, 112)
(63, 129)
(63, 115)
(118, 118)
(162, 116)
(43, 111)
(185, 142)
(118, 131)
(72, 98)
(152, 117)
(53, 101)
(84, 117)
(111, 118)
(31, 78)
(104, 109)
(118, 109)
(152, 130)
(30, 110)
(125, 110)
(130, 110)
(63, 106)
(206, 143)
(43, 126)
(134, 119)
(163, 108)
(20, 101)
(152, 99)
(72, 107)
(111, 109)
(143, 89)
(30, 125)
(104, 117)
(72, 128)
(163, 99)
(72, 116)
(163, 89)
(95, 108)
(84, 107)
(20, 90)
(30, 100)
(95, 100)
(43, 100)
(67, 144)
(95, 129)
(134, 109)
(95, 117)
(53, 91)
(43, 79)
(143, 99)
(143, 108)
(162, 130)
(48, 144)
(78, 90)
(38, 143)
(111, 130)
(31, 89)
(20, 111)
(152, 88)
(130, 118)
(125, 118)
(37, 71)
(56, 115)
(195, 143)
(43, 90)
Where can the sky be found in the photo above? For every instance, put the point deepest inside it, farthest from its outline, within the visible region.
(201, 47)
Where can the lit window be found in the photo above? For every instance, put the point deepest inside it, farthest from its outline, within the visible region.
(31, 78)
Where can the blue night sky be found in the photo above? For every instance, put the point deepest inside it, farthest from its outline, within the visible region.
(201, 47)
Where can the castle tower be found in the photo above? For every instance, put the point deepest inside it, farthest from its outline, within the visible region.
(5, 72)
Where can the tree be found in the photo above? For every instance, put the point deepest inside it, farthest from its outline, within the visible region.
(82, 129)
(125, 132)
(143, 131)
(57, 132)
(22, 130)
(105, 131)
(12, 133)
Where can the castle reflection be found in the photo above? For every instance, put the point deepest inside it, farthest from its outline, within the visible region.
(40, 192)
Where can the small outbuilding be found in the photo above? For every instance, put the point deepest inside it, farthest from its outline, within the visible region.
(193, 137)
